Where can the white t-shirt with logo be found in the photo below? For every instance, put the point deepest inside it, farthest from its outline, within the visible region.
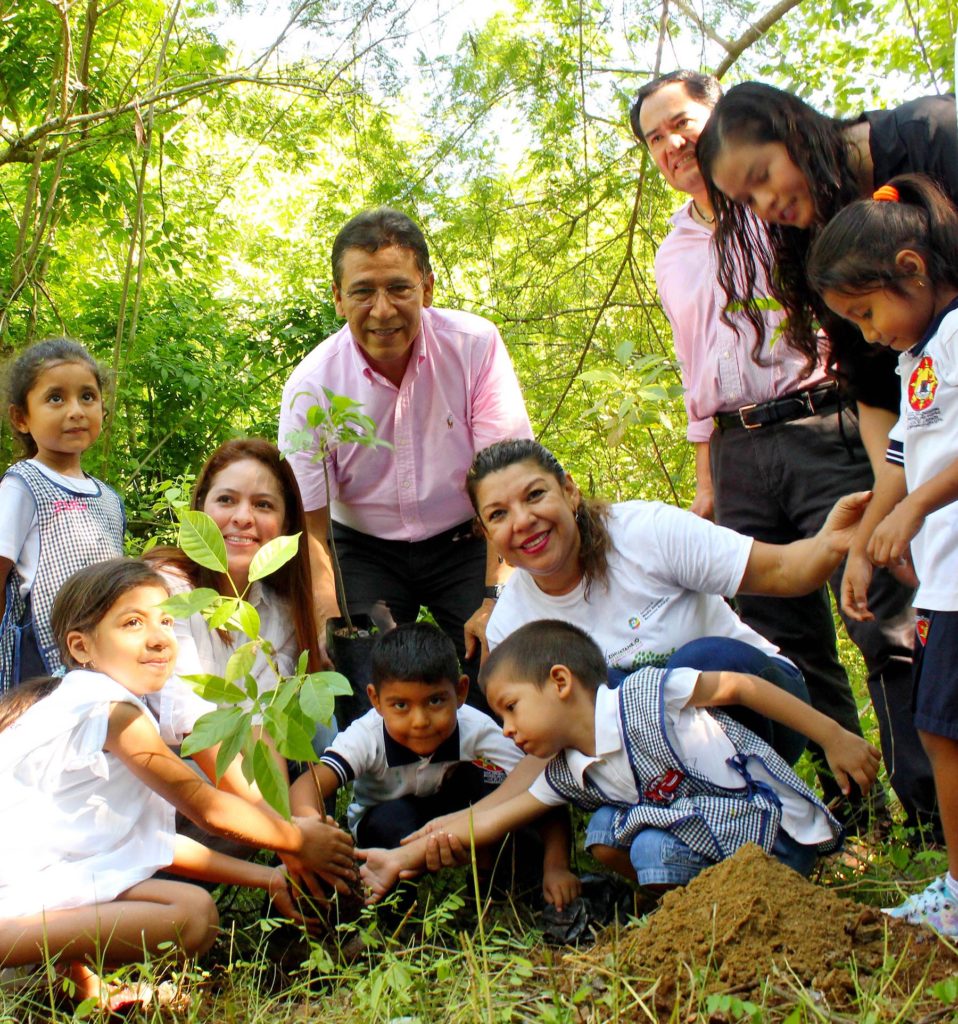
(928, 432)
(668, 572)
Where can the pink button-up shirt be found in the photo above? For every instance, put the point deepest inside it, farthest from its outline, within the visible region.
(459, 394)
(718, 372)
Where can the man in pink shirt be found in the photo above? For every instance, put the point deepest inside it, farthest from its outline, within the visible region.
(440, 386)
(775, 447)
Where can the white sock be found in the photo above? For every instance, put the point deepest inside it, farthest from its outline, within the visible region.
(951, 885)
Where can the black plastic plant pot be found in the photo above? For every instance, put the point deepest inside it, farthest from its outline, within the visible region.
(351, 652)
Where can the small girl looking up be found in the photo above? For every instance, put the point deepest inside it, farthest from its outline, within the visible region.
(90, 790)
(890, 266)
(56, 519)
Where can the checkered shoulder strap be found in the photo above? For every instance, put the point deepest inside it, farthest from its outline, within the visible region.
(76, 530)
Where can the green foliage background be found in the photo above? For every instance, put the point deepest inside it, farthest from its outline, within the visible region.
(171, 202)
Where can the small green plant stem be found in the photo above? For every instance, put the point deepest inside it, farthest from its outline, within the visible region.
(320, 802)
(334, 557)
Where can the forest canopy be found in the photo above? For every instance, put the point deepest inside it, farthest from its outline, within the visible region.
(169, 198)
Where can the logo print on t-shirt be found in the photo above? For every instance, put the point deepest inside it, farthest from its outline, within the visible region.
(922, 385)
(635, 622)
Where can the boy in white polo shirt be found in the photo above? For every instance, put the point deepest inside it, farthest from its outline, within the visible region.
(676, 784)
(422, 752)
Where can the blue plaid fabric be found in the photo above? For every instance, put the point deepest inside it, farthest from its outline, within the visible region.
(76, 530)
(708, 818)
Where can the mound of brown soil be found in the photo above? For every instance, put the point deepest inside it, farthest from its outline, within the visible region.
(751, 917)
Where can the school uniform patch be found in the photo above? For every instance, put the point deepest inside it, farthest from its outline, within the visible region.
(921, 628)
(922, 384)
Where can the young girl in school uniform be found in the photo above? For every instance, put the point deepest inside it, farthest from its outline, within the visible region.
(890, 266)
(56, 518)
(90, 791)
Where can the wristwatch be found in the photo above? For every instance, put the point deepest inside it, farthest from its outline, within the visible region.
(494, 591)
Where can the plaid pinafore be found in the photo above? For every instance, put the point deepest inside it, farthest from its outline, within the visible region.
(76, 530)
(708, 818)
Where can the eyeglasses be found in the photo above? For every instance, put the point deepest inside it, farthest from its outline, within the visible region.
(397, 294)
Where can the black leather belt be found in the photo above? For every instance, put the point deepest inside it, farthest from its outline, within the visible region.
(795, 406)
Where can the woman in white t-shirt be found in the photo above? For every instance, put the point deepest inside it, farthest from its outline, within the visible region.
(647, 581)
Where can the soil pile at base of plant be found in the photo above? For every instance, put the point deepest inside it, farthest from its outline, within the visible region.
(750, 917)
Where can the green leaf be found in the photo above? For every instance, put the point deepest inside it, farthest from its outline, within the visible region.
(231, 745)
(270, 779)
(273, 556)
(223, 612)
(215, 689)
(241, 662)
(318, 691)
(182, 606)
(292, 733)
(201, 540)
(210, 729)
(246, 619)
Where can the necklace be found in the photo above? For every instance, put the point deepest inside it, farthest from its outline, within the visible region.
(702, 217)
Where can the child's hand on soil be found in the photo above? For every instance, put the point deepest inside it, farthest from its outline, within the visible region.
(379, 872)
(850, 756)
(327, 852)
(282, 898)
(560, 886)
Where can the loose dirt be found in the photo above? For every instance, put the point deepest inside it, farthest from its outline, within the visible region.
(750, 920)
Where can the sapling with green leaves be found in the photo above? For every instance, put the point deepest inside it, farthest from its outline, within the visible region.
(338, 422)
(289, 712)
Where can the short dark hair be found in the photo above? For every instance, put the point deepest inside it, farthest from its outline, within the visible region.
(702, 88)
(530, 652)
(377, 229)
(87, 596)
(414, 652)
(23, 372)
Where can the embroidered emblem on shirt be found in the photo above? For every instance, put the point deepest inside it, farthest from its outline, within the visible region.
(922, 385)
(492, 774)
(69, 505)
(661, 790)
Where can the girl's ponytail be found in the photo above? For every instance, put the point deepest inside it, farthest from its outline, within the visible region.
(857, 249)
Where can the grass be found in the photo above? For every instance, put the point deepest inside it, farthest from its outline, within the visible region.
(458, 961)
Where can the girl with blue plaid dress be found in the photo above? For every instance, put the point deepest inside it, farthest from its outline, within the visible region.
(57, 519)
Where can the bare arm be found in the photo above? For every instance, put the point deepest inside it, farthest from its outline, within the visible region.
(891, 537)
(474, 628)
(790, 570)
(321, 566)
(874, 423)
(382, 868)
(194, 860)
(704, 502)
(132, 738)
(847, 754)
(302, 793)
(889, 490)
(559, 885)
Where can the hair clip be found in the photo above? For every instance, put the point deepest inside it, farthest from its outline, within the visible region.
(886, 194)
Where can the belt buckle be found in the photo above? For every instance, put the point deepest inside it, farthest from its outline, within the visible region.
(741, 416)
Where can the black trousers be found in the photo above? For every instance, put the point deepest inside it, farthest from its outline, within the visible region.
(445, 574)
(777, 484)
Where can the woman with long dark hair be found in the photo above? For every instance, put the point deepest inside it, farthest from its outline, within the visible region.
(769, 152)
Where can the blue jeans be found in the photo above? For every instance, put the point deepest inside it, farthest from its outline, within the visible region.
(720, 653)
(660, 858)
